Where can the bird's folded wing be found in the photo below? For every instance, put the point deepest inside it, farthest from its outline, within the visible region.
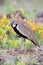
(25, 29)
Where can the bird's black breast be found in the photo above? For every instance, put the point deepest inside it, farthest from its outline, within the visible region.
(18, 32)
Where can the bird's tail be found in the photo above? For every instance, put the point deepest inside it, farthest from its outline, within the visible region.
(35, 40)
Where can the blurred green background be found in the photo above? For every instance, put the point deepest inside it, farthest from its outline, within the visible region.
(27, 5)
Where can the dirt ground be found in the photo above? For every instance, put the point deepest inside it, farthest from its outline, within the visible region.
(31, 57)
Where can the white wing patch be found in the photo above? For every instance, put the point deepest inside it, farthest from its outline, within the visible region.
(20, 31)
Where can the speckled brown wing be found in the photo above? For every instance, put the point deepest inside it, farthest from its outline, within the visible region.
(25, 29)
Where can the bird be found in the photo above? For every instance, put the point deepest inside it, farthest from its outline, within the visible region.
(22, 28)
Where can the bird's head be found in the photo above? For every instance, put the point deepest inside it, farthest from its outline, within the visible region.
(19, 13)
(18, 17)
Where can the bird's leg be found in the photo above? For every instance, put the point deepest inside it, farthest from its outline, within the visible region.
(23, 44)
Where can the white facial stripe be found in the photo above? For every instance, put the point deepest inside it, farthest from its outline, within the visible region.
(14, 25)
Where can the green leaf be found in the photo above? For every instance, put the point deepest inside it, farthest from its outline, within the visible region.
(20, 63)
(10, 44)
(1, 31)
